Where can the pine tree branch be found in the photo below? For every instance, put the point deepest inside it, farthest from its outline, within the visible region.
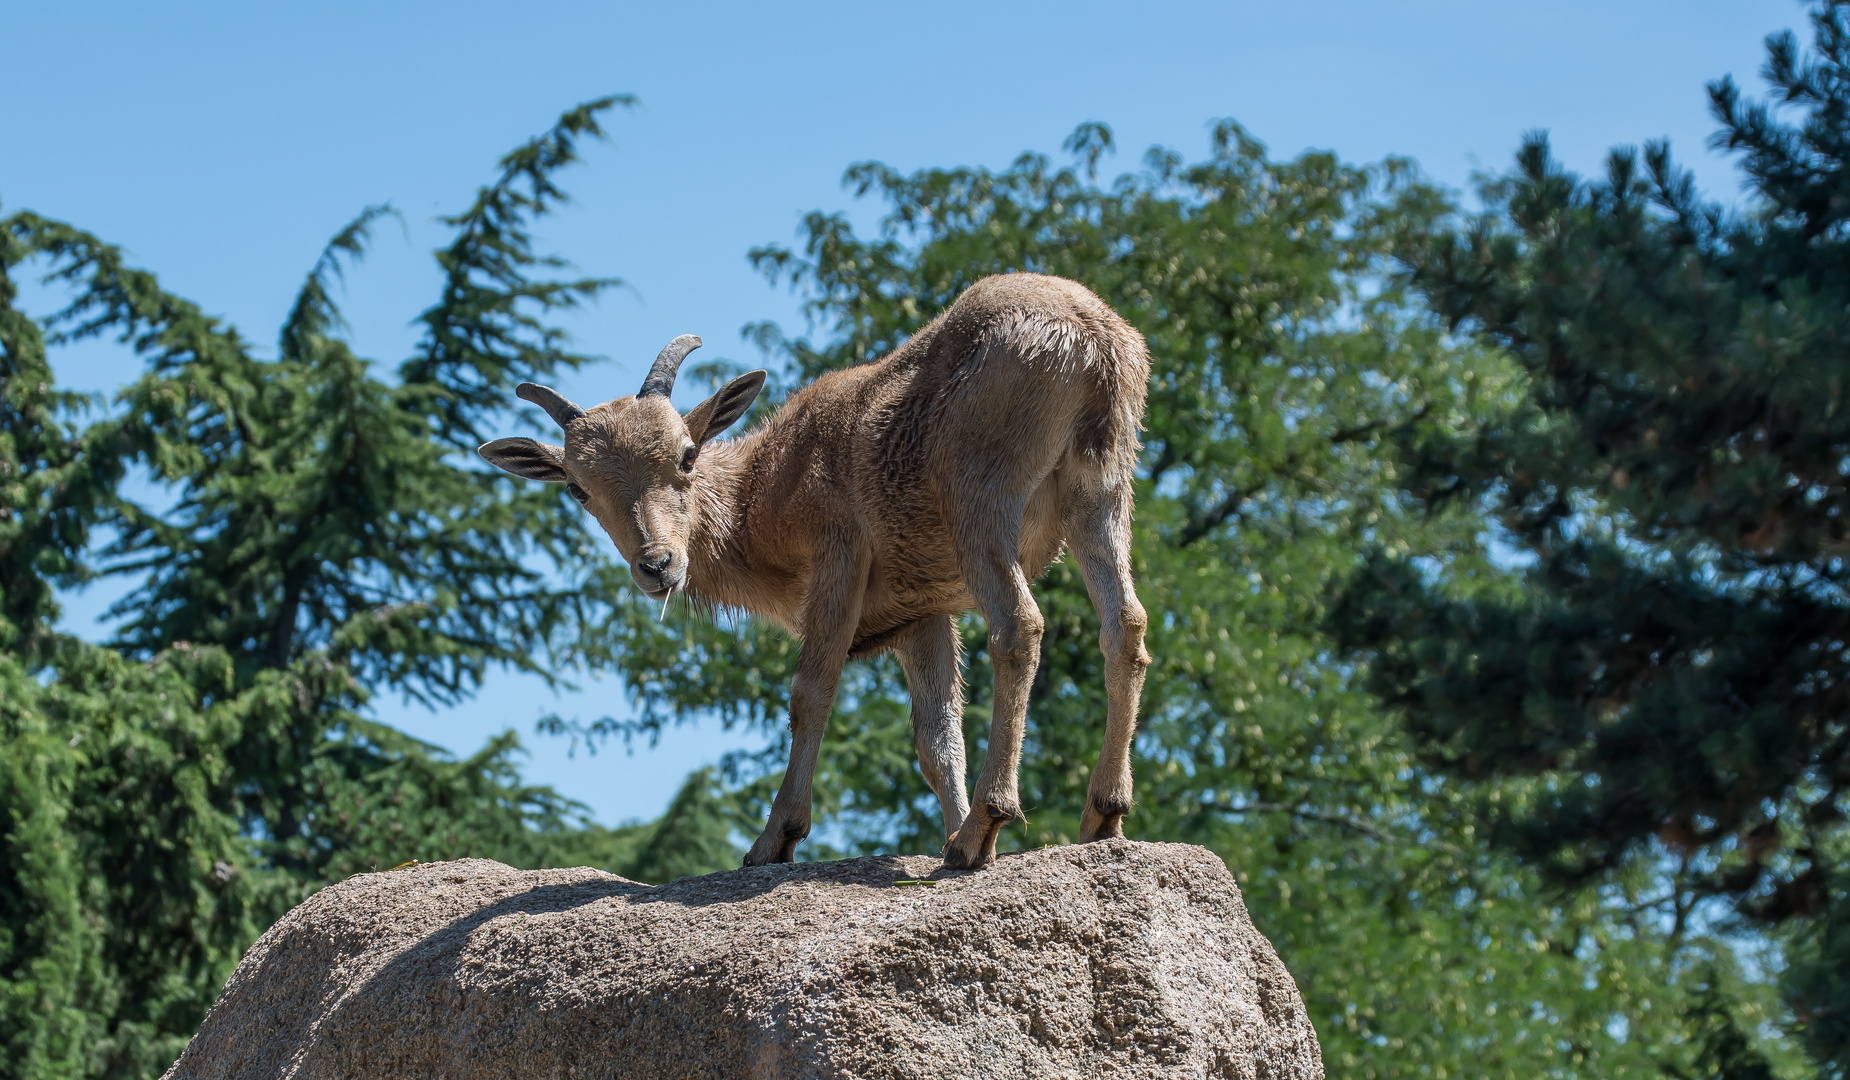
(1351, 434)
(1347, 821)
(1199, 527)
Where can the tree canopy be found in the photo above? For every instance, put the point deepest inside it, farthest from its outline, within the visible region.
(1668, 682)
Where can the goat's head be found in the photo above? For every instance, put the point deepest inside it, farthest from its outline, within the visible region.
(634, 463)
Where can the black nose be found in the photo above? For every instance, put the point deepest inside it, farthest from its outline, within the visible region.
(655, 565)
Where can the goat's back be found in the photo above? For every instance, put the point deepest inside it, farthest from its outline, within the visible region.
(1022, 372)
(962, 427)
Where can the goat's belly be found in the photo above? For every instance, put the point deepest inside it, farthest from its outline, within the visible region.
(887, 613)
(890, 608)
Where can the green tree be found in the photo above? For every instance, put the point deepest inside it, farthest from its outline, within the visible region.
(165, 797)
(1668, 687)
(51, 489)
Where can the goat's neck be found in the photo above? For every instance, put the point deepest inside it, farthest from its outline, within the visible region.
(719, 561)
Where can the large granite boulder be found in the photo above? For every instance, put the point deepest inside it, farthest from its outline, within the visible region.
(1114, 959)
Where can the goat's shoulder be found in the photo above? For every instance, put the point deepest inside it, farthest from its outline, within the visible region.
(805, 452)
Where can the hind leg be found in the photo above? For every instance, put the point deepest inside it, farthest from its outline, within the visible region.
(1001, 591)
(1099, 535)
(929, 653)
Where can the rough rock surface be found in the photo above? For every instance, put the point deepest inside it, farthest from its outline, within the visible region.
(1114, 959)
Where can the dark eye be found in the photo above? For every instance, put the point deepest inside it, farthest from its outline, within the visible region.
(687, 458)
(577, 492)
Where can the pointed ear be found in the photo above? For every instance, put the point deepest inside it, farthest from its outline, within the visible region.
(717, 413)
(526, 457)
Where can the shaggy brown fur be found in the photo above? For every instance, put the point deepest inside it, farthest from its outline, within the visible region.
(882, 501)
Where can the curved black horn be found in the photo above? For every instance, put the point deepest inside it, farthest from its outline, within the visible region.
(661, 376)
(562, 411)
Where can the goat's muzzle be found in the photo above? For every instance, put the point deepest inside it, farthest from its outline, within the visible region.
(658, 570)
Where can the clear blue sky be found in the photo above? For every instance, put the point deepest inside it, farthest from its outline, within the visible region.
(222, 144)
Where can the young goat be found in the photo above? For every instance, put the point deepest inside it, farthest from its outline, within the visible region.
(881, 502)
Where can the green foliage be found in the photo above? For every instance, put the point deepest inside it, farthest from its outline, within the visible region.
(166, 797)
(130, 892)
(1666, 690)
(50, 487)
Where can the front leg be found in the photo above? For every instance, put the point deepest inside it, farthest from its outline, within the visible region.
(830, 615)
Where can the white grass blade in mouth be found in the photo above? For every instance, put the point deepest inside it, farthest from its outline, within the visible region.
(663, 617)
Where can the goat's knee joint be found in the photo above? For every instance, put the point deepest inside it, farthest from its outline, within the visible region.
(1123, 633)
(1014, 656)
(1018, 643)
